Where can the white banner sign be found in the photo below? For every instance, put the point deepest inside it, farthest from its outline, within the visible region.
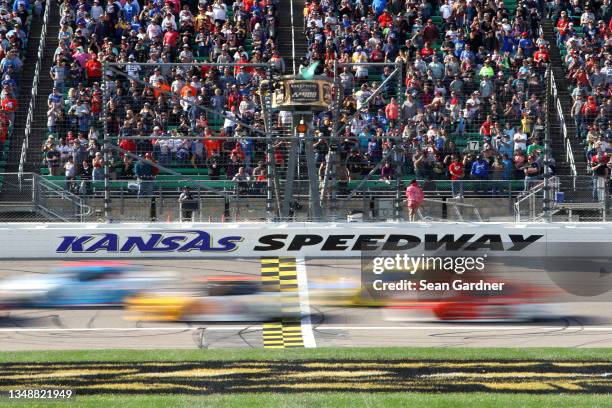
(168, 240)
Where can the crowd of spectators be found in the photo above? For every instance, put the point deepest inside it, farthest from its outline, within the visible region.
(468, 107)
(583, 35)
(142, 104)
(472, 72)
(15, 20)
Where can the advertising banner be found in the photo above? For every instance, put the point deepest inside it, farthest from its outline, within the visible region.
(347, 240)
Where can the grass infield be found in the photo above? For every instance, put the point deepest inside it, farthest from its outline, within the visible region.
(326, 377)
(354, 353)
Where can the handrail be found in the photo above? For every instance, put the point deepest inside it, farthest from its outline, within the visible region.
(455, 204)
(569, 153)
(34, 92)
(531, 196)
(85, 209)
(292, 39)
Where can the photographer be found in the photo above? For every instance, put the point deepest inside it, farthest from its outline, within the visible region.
(187, 204)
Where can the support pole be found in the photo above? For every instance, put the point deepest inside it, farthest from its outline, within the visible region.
(269, 149)
(291, 165)
(547, 202)
(399, 187)
(107, 154)
(331, 162)
(315, 202)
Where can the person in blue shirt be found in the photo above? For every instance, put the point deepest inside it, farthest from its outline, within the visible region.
(526, 45)
(508, 167)
(381, 119)
(129, 10)
(379, 6)
(459, 45)
(11, 59)
(505, 145)
(480, 173)
(508, 44)
(25, 3)
(467, 54)
(439, 141)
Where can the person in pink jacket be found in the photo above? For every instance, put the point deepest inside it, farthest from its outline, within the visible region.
(414, 199)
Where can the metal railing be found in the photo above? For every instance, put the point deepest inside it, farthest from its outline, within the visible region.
(31, 193)
(531, 199)
(569, 153)
(585, 198)
(34, 91)
(58, 202)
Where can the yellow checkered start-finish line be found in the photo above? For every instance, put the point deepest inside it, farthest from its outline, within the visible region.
(280, 274)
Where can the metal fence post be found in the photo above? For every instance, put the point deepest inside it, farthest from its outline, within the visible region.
(547, 157)
(107, 151)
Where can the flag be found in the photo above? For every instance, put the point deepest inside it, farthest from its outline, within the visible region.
(308, 73)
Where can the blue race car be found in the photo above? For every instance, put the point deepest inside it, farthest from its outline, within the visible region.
(79, 284)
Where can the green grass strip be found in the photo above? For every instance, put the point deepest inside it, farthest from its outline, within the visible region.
(333, 400)
(399, 353)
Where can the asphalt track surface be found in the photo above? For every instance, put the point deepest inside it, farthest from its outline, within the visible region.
(589, 324)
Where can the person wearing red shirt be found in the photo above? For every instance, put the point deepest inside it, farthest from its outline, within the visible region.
(171, 37)
(562, 27)
(377, 54)
(455, 169)
(9, 107)
(430, 32)
(128, 145)
(161, 88)
(427, 51)
(385, 19)
(96, 104)
(589, 110)
(239, 152)
(485, 129)
(4, 125)
(211, 145)
(188, 87)
(93, 68)
(541, 56)
(392, 112)
(581, 77)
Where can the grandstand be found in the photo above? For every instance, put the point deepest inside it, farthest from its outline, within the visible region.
(170, 95)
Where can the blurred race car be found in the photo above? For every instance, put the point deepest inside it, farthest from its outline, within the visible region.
(515, 302)
(214, 299)
(79, 284)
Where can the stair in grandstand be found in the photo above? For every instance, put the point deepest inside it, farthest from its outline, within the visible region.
(291, 34)
(23, 100)
(565, 99)
(45, 86)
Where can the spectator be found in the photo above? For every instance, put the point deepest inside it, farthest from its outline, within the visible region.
(242, 179)
(143, 169)
(86, 177)
(601, 174)
(533, 172)
(480, 172)
(456, 171)
(186, 201)
(387, 172)
(70, 173)
(414, 199)
(98, 167)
